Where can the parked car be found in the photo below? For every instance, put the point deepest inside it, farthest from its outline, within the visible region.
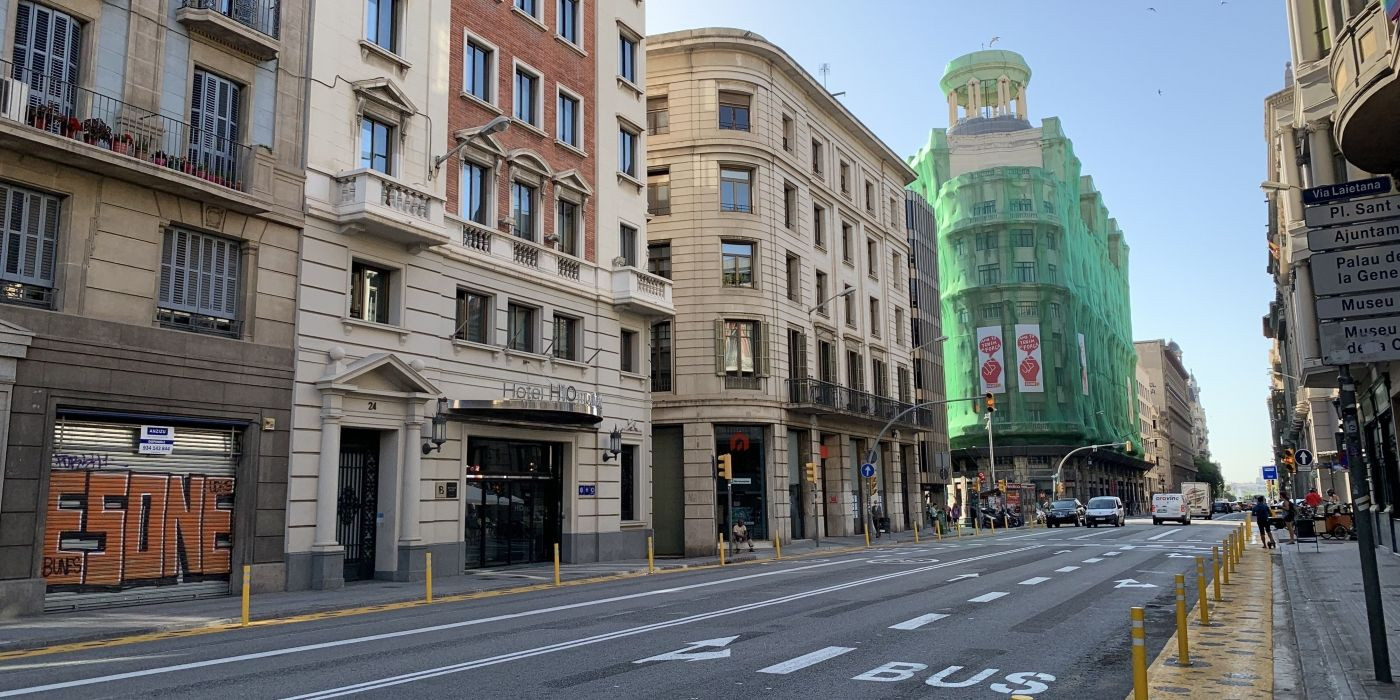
(1105, 509)
(1222, 507)
(1170, 506)
(1065, 511)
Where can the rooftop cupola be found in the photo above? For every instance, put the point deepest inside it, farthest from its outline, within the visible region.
(986, 92)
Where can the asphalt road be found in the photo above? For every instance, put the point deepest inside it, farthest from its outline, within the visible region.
(1039, 612)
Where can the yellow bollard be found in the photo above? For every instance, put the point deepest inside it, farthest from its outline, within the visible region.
(721, 550)
(916, 533)
(1139, 655)
(651, 556)
(247, 586)
(1234, 554)
(556, 563)
(867, 537)
(994, 527)
(1225, 564)
(1215, 570)
(778, 547)
(428, 582)
(1201, 591)
(938, 530)
(1183, 650)
(957, 529)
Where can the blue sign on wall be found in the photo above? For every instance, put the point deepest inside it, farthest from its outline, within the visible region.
(587, 489)
(1270, 473)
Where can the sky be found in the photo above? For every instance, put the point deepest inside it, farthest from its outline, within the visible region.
(1165, 108)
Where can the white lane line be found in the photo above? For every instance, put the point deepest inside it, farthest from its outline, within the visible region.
(1159, 536)
(915, 623)
(805, 660)
(1017, 537)
(513, 656)
(1092, 534)
(1111, 554)
(1066, 569)
(987, 597)
(1034, 581)
(1092, 560)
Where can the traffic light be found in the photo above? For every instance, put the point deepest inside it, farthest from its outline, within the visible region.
(991, 403)
(1288, 460)
(812, 472)
(1001, 485)
(726, 466)
(1128, 446)
(1059, 489)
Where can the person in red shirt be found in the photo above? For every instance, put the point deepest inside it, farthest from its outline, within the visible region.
(1313, 499)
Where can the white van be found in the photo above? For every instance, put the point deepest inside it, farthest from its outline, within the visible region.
(1170, 506)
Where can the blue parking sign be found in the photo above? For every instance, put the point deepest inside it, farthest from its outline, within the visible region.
(1270, 473)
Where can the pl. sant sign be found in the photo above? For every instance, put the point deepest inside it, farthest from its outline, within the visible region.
(1356, 278)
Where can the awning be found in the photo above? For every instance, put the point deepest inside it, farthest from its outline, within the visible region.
(526, 411)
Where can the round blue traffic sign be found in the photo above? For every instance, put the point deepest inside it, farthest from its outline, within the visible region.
(1303, 458)
(867, 470)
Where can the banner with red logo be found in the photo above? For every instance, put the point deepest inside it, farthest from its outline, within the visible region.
(989, 362)
(1083, 367)
(1029, 369)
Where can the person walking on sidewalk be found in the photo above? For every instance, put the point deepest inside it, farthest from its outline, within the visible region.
(1313, 499)
(1261, 516)
(1290, 513)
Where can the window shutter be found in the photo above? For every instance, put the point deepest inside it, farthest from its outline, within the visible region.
(720, 327)
(28, 236)
(47, 45)
(214, 107)
(199, 274)
(760, 349)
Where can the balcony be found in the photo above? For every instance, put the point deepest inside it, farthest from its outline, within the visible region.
(370, 201)
(250, 26)
(62, 122)
(816, 396)
(642, 292)
(507, 251)
(1365, 70)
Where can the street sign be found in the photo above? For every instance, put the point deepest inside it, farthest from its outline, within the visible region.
(1303, 458)
(156, 440)
(867, 470)
(742, 480)
(1365, 340)
(1354, 210)
(1359, 305)
(587, 489)
(1346, 190)
(1356, 270)
(1271, 473)
(1364, 233)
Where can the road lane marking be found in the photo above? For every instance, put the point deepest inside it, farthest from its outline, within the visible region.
(1111, 554)
(1034, 581)
(1159, 536)
(1017, 537)
(1092, 560)
(987, 597)
(805, 660)
(1066, 569)
(692, 651)
(503, 658)
(918, 622)
(1092, 534)
(1064, 551)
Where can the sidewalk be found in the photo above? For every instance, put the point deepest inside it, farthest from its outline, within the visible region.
(64, 631)
(1325, 621)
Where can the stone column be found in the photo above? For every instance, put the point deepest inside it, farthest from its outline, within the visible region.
(1021, 102)
(327, 555)
(411, 483)
(953, 107)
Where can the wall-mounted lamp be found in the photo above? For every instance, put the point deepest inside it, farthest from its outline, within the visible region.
(614, 445)
(435, 441)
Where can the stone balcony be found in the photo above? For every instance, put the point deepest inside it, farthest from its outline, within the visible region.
(250, 26)
(642, 292)
(526, 256)
(379, 205)
(1365, 71)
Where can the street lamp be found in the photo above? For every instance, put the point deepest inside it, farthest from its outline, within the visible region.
(465, 136)
(439, 432)
(614, 445)
(822, 304)
(1127, 445)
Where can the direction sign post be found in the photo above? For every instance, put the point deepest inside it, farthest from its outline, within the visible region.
(1346, 190)
(1271, 473)
(867, 470)
(1303, 458)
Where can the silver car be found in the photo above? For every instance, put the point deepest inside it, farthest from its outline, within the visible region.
(1105, 509)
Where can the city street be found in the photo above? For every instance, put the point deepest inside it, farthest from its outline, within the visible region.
(1032, 612)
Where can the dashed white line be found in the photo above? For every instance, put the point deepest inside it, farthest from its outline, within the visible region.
(917, 622)
(987, 597)
(1092, 560)
(1159, 536)
(1111, 554)
(1066, 569)
(805, 660)
(1034, 581)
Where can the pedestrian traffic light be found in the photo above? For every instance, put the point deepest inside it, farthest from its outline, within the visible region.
(991, 403)
(726, 466)
(812, 472)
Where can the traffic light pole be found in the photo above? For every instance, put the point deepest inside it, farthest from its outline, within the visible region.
(991, 451)
(1059, 470)
(1365, 535)
(875, 446)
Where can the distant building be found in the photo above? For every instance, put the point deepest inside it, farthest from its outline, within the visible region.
(1166, 373)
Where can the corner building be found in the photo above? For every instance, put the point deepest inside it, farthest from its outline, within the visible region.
(768, 200)
(1033, 274)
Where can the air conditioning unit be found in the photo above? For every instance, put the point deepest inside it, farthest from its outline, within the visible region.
(14, 97)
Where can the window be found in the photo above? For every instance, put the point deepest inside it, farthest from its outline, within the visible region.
(984, 208)
(819, 226)
(789, 142)
(480, 62)
(988, 274)
(661, 356)
(1025, 272)
(627, 349)
(737, 263)
(369, 292)
(736, 190)
(855, 370)
(568, 120)
(376, 145)
(520, 327)
(627, 58)
(872, 258)
(845, 178)
(476, 196)
(215, 111)
(899, 325)
(474, 316)
(734, 111)
(789, 205)
(869, 197)
(797, 354)
(627, 244)
(902, 377)
(848, 253)
(894, 212)
(897, 265)
(659, 258)
(850, 302)
(986, 241)
(959, 246)
(566, 340)
(381, 24)
(875, 317)
(826, 362)
(821, 294)
(818, 156)
(529, 7)
(1052, 273)
(1022, 205)
(741, 348)
(991, 312)
(1047, 206)
(522, 206)
(1055, 310)
(628, 482)
(527, 87)
(47, 46)
(658, 116)
(1027, 309)
(794, 277)
(659, 191)
(569, 19)
(879, 377)
(1023, 238)
(567, 224)
(1322, 37)
(627, 151)
(198, 273)
(29, 243)
(1052, 241)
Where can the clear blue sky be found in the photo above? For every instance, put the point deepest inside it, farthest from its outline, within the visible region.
(1180, 170)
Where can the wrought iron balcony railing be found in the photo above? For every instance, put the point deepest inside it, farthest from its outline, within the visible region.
(260, 15)
(815, 393)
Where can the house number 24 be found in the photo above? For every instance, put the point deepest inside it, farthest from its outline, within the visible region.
(374, 405)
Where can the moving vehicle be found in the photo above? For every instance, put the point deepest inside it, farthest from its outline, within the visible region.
(1065, 510)
(1105, 509)
(1222, 506)
(1170, 506)
(1197, 495)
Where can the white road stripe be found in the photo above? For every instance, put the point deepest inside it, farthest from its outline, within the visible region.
(1066, 569)
(1034, 581)
(987, 597)
(1110, 554)
(1092, 534)
(806, 660)
(1159, 536)
(1092, 560)
(916, 623)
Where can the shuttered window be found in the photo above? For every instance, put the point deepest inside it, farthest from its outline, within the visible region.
(28, 244)
(46, 48)
(739, 348)
(199, 281)
(215, 105)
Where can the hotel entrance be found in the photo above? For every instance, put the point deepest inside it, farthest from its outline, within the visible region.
(512, 495)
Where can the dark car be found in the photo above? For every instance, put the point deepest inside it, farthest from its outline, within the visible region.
(1220, 507)
(1065, 511)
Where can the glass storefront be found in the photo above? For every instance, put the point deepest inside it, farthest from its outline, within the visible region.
(745, 443)
(512, 495)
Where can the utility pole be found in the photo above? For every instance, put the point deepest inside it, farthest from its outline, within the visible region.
(1365, 535)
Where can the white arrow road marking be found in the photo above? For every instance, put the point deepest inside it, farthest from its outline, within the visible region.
(987, 597)
(1092, 560)
(918, 622)
(1066, 569)
(1132, 583)
(690, 653)
(1034, 581)
(1159, 536)
(805, 660)
(1174, 555)
(960, 577)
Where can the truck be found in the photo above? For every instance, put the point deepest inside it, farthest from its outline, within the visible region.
(1197, 495)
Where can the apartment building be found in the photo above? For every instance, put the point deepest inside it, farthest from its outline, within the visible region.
(1169, 385)
(471, 378)
(1153, 441)
(926, 335)
(150, 207)
(780, 218)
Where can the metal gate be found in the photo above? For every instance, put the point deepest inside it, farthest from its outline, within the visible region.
(358, 504)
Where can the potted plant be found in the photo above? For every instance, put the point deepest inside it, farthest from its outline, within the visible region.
(43, 116)
(96, 131)
(123, 144)
(71, 127)
(188, 166)
(159, 158)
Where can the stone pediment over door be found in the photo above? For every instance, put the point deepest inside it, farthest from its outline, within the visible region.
(380, 373)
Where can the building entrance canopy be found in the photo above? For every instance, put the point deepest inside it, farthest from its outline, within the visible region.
(562, 413)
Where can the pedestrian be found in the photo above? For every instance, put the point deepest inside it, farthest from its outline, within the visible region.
(1313, 499)
(1290, 513)
(957, 511)
(1262, 514)
(741, 535)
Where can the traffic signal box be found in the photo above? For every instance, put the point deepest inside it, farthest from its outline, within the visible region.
(811, 472)
(1288, 461)
(726, 466)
